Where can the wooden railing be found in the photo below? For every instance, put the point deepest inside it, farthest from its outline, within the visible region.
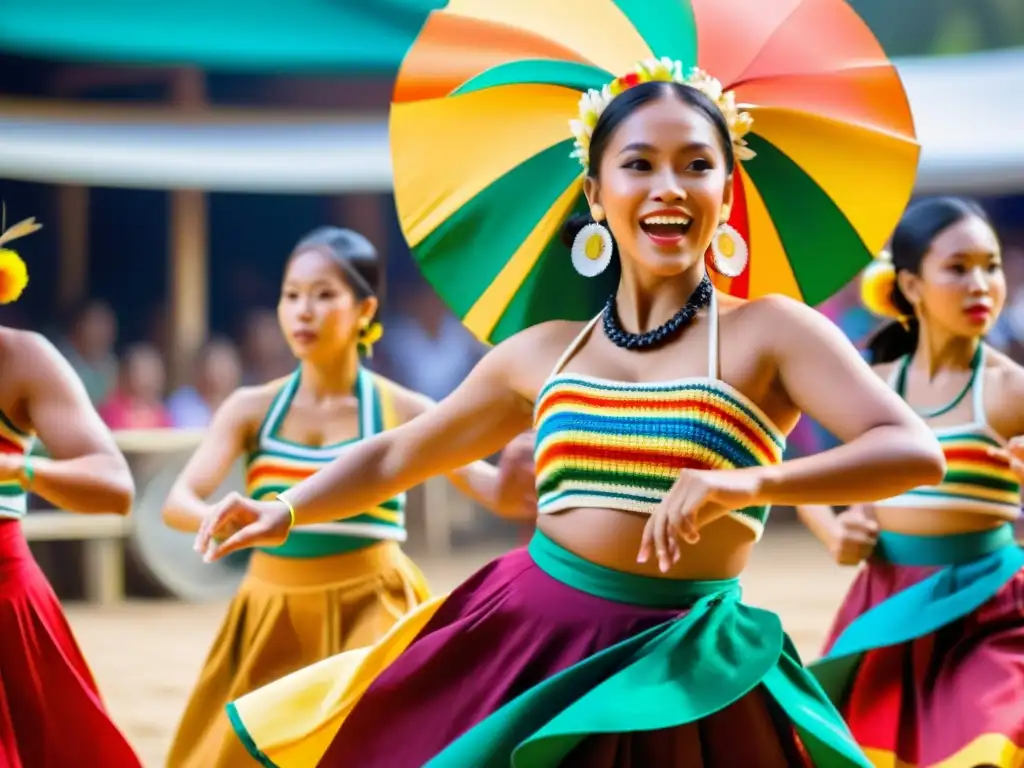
(150, 453)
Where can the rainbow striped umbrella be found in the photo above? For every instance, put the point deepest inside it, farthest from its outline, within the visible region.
(481, 144)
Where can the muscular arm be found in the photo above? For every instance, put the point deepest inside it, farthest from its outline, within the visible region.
(480, 481)
(476, 420)
(222, 444)
(85, 472)
(886, 448)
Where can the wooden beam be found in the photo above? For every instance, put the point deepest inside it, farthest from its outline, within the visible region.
(194, 114)
(360, 93)
(103, 540)
(78, 79)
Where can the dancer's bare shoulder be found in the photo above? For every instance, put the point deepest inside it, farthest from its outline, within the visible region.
(528, 358)
(31, 364)
(1004, 391)
(776, 321)
(27, 355)
(242, 413)
(885, 371)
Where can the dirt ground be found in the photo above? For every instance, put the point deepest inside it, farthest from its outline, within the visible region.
(146, 655)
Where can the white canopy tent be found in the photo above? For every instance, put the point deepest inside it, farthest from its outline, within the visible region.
(967, 114)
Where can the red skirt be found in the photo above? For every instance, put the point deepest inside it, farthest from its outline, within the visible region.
(51, 715)
(953, 698)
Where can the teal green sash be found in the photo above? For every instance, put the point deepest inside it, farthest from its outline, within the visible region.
(621, 587)
(673, 674)
(977, 566)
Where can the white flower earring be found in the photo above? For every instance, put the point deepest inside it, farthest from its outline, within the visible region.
(729, 252)
(592, 247)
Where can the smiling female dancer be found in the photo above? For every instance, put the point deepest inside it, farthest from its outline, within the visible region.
(51, 714)
(926, 656)
(330, 587)
(617, 638)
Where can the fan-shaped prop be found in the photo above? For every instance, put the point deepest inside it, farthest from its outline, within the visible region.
(481, 143)
(168, 554)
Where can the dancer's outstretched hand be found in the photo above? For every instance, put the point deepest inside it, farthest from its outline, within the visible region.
(238, 522)
(697, 498)
(855, 535)
(517, 484)
(1013, 454)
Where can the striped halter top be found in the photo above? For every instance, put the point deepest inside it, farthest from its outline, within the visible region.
(621, 445)
(13, 499)
(275, 465)
(974, 481)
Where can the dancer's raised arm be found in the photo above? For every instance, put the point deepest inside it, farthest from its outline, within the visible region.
(85, 471)
(480, 417)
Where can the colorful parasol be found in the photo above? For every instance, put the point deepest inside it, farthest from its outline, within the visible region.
(481, 144)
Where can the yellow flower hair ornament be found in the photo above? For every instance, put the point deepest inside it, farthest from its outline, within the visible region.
(877, 285)
(369, 334)
(13, 272)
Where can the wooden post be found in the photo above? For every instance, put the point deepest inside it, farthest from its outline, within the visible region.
(104, 571)
(187, 265)
(188, 279)
(73, 237)
(365, 214)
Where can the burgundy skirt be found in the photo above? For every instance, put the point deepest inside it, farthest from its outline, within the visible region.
(504, 631)
(953, 698)
(51, 715)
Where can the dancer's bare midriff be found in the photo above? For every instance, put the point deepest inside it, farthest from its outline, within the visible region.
(934, 522)
(611, 538)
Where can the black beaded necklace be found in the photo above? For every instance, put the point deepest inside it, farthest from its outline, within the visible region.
(655, 337)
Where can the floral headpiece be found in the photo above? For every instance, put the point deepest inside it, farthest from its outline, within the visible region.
(663, 70)
(369, 334)
(13, 272)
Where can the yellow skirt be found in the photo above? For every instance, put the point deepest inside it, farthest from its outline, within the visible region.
(291, 613)
(291, 722)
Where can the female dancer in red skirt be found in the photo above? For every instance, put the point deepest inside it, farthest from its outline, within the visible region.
(926, 656)
(617, 638)
(51, 714)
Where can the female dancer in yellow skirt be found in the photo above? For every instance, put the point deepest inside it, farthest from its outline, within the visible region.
(51, 713)
(617, 638)
(926, 655)
(332, 586)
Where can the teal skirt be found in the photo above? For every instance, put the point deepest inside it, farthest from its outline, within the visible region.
(968, 571)
(926, 658)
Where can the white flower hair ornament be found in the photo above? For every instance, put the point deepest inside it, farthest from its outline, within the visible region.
(593, 103)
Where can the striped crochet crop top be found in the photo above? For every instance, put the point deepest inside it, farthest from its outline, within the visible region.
(974, 481)
(620, 445)
(13, 499)
(276, 464)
